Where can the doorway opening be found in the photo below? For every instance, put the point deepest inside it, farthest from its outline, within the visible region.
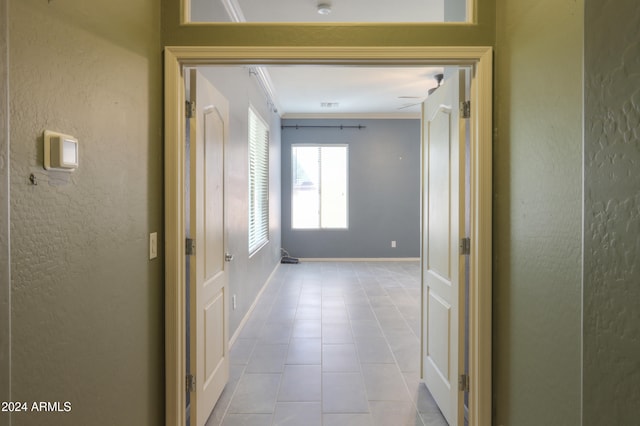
(478, 58)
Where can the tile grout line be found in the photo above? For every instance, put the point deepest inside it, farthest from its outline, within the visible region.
(244, 369)
(358, 352)
(354, 275)
(397, 365)
(284, 364)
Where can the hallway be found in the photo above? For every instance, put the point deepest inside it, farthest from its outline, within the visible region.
(333, 344)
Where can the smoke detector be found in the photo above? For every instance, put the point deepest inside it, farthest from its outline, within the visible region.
(324, 8)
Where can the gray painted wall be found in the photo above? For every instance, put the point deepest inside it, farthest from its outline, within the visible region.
(384, 190)
(611, 326)
(537, 223)
(87, 303)
(247, 274)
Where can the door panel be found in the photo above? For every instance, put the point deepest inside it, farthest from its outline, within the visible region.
(443, 149)
(213, 192)
(438, 346)
(213, 334)
(439, 203)
(209, 278)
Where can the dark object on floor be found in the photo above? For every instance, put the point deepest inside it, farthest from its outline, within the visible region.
(288, 259)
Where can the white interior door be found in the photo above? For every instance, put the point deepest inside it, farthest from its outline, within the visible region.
(209, 278)
(442, 228)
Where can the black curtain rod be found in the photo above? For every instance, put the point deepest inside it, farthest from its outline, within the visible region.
(341, 127)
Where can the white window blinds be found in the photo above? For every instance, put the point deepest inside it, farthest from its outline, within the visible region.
(258, 182)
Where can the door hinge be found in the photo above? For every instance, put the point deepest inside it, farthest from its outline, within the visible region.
(190, 109)
(191, 383)
(190, 247)
(465, 246)
(465, 109)
(463, 383)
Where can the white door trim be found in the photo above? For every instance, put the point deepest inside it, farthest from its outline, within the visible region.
(480, 57)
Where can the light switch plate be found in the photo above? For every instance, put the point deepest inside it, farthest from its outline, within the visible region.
(153, 245)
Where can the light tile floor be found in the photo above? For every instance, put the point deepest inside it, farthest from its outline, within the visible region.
(333, 344)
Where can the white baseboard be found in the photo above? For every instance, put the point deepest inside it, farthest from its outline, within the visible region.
(235, 335)
(359, 259)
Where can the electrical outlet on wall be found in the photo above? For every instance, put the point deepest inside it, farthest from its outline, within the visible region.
(233, 302)
(393, 244)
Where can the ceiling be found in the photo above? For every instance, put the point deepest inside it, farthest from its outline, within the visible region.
(350, 91)
(337, 91)
(308, 10)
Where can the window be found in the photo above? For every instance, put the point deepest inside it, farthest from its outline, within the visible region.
(319, 186)
(258, 182)
(371, 11)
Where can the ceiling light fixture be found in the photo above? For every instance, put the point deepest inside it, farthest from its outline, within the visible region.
(324, 8)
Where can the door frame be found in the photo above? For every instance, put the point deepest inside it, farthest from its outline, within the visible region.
(479, 57)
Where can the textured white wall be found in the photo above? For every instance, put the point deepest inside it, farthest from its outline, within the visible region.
(612, 213)
(87, 323)
(5, 287)
(537, 213)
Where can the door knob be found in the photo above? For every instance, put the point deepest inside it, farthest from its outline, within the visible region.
(228, 257)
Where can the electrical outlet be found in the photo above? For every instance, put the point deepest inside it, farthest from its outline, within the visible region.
(153, 245)
(233, 302)
(393, 244)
